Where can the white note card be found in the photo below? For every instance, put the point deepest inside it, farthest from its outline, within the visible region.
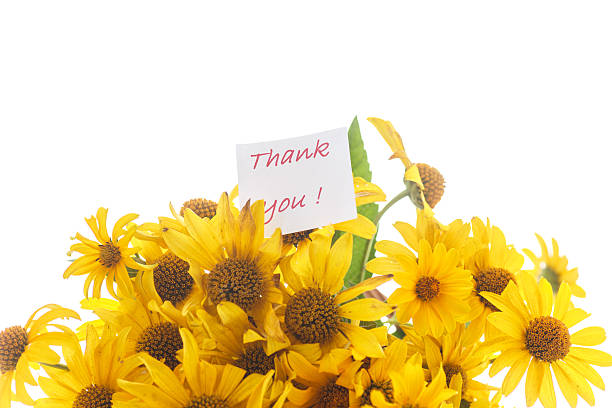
(306, 182)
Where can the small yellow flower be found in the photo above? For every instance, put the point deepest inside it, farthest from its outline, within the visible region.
(411, 389)
(537, 339)
(433, 289)
(230, 256)
(21, 347)
(428, 180)
(205, 385)
(316, 307)
(106, 258)
(553, 267)
(92, 375)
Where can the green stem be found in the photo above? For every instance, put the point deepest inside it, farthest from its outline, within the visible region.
(376, 221)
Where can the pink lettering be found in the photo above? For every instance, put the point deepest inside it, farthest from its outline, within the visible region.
(321, 149)
(258, 155)
(301, 154)
(270, 208)
(286, 159)
(272, 158)
(300, 203)
(285, 201)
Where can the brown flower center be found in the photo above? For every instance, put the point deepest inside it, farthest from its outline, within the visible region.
(172, 279)
(238, 281)
(201, 206)
(427, 288)
(161, 341)
(433, 182)
(13, 342)
(255, 360)
(450, 370)
(386, 387)
(207, 401)
(296, 237)
(312, 316)
(94, 396)
(333, 395)
(547, 339)
(492, 280)
(110, 254)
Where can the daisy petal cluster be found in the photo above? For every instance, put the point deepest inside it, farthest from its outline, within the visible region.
(200, 309)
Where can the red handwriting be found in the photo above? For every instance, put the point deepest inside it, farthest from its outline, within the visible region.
(287, 157)
(283, 205)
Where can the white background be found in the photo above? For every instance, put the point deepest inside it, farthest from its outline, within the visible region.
(131, 105)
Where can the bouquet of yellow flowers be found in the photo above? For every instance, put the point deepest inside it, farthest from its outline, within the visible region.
(201, 310)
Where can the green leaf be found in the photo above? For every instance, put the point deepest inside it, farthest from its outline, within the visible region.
(359, 157)
(361, 168)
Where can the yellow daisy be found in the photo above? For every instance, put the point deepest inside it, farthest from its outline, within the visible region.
(154, 327)
(205, 385)
(433, 289)
(428, 179)
(106, 258)
(170, 278)
(316, 307)
(374, 377)
(231, 338)
(458, 355)
(91, 377)
(553, 267)
(23, 346)
(536, 341)
(411, 389)
(365, 193)
(314, 388)
(493, 265)
(232, 248)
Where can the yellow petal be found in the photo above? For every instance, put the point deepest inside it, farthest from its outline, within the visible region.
(364, 309)
(165, 379)
(363, 341)
(360, 226)
(533, 384)
(338, 263)
(590, 336)
(595, 357)
(356, 290)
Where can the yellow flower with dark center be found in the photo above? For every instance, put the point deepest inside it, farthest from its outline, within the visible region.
(92, 375)
(372, 376)
(154, 327)
(365, 193)
(458, 355)
(106, 258)
(536, 338)
(316, 307)
(206, 385)
(21, 346)
(493, 265)
(427, 179)
(231, 338)
(169, 280)
(553, 267)
(433, 289)
(232, 248)
(314, 388)
(411, 389)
